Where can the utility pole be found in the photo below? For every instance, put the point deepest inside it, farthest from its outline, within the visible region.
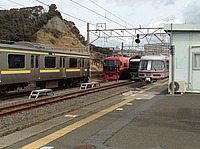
(172, 69)
(172, 61)
(122, 51)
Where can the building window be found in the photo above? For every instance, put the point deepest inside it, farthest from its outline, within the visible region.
(196, 61)
(16, 61)
(50, 62)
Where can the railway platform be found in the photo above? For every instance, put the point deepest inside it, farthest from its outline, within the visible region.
(148, 119)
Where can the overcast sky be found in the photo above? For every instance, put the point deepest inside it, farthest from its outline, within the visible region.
(119, 13)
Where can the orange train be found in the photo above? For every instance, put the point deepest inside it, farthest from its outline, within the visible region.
(116, 67)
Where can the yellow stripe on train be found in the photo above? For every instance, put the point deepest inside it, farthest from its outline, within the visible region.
(49, 70)
(70, 55)
(46, 53)
(71, 70)
(15, 72)
(20, 51)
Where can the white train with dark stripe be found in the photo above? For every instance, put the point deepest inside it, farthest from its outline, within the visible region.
(46, 68)
(153, 68)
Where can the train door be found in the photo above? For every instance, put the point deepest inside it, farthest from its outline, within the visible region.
(82, 67)
(63, 66)
(35, 73)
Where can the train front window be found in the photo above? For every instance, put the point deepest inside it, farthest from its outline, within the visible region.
(110, 65)
(157, 65)
(16, 61)
(134, 65)
(143, 65)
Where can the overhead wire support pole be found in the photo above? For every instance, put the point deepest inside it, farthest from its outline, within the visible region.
(88, 38)
(115, 32)
(172, 60)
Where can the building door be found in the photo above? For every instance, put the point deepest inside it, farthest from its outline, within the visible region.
(62, 66)
(195, 72)
(35, 72)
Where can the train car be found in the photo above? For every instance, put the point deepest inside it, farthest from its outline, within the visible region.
(153, 68)
(46, 68)
(134, 66)
(116, 67)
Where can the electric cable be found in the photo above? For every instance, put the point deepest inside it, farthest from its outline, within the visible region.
(96, 13)
(15, 3)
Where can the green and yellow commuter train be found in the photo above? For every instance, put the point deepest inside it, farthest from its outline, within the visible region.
(24, 63)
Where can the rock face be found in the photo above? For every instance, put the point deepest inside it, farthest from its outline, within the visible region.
(58, 34)
(33, 24)
(57, 23)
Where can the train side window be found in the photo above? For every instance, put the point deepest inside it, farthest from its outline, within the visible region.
(73, 62)
(62, 62)
(37, 62)
(16, 61)
(83, 62)
(167, 62)
(88, 63)
(32, 61)
(50, 62)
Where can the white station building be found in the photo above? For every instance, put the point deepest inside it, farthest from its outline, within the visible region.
(186, 39)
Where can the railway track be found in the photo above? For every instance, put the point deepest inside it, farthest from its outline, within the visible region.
(42, 102)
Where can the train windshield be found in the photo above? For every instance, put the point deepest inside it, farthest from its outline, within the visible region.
(151, 65)
(157, 65)
(143, 64)
(110, 64)
(134, 65)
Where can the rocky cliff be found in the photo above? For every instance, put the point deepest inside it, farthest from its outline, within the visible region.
(33, 24)
(58, 34)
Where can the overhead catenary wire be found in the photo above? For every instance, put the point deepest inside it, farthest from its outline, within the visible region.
(101, 16)
(97, 13)
(42, 3)
(66, 13)
(105, 16)
(16, 3)
(72, 15)
(111, 13)
(132, 35)
(2, 8)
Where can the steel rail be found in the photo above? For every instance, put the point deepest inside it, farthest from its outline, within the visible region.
(42, 102)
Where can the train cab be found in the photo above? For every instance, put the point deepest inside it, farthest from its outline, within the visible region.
(153, 68)
(116, 67)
